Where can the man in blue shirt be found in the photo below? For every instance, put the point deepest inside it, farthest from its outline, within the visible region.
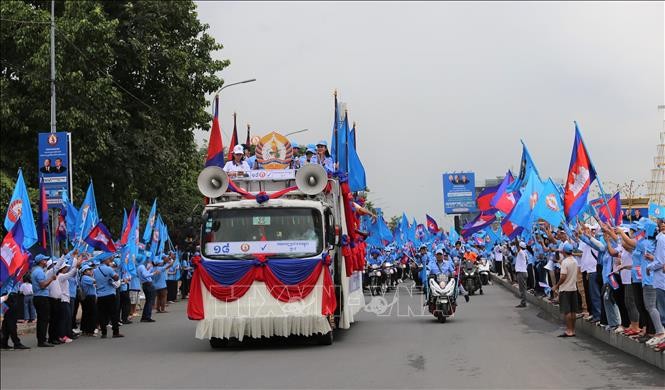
(41, 279)
(9, 328)
(105, 279)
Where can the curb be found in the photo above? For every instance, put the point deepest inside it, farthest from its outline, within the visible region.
(624, 344)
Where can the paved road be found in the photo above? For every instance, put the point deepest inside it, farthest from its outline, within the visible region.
(488, 345)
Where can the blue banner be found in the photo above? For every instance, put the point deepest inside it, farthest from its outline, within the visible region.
(54, 166)
(459, 193)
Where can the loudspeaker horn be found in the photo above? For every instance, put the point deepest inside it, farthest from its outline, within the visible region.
(311, 179)
(213, 182)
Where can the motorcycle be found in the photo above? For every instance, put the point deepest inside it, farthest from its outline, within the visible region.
(416, 271)
(484, 270)
(471, 278)
(390, 275)
(376, 279)
(442, 301)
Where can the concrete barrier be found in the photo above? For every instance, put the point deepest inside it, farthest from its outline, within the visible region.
(620, 342)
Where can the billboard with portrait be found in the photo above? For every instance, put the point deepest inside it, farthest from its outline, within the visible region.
(54, 166)
(459, 193)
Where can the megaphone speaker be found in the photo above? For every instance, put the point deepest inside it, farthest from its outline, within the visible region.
(311, 179)
(213, 182)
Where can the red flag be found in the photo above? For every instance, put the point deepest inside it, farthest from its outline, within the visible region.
(128, 227)
(43, 215)
(507, 201)
(13, 259)
(215, 145)
(614, 212)
(234, 139)
(581, 174)
(485, 197)
(432, 226)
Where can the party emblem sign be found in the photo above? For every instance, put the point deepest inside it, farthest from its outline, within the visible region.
(274, 151)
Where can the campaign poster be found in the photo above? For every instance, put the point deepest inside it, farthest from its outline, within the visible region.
(54, 166)
(459, 193)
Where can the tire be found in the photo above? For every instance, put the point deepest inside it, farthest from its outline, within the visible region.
(217, 343)
(441, 318)
(325, 339)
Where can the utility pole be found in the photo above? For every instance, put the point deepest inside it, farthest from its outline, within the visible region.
(53, 123)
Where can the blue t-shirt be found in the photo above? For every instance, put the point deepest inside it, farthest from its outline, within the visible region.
(88, 286)
(446, 267)
(104, 277)
(37, 277)
(159, 280)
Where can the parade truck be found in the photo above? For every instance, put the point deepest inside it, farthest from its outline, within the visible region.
(272, 258)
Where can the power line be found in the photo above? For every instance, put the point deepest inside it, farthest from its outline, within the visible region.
(63, 34)
(23, 21)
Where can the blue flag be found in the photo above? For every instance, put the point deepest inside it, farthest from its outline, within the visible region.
(521, 214)
(526, 167)
(549, 205)
(357, 177)
(656, 211)
(20, 209)
(87, 216)
(150, 223)
(124, 220)
(340, 138)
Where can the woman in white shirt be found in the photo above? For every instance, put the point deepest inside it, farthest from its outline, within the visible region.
(238, 165)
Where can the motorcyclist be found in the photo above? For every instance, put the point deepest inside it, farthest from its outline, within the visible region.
(441, 264)
(422, 258)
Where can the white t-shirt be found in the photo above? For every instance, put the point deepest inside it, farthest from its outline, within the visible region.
(587, 261)
(230, 166)
(569, 268)
(626, 259)
(520, 261)
(498, 254)
(26, 289)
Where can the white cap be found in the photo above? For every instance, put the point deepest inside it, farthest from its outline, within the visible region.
(238, 149)
(522, 244)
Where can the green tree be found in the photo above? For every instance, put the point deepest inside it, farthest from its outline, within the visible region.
(132, 79)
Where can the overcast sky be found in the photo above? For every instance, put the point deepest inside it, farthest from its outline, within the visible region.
(437, 87)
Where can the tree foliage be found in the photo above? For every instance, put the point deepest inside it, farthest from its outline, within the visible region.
(132, 77)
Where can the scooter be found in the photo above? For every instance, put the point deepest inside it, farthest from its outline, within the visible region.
(376, 279)
(442, 300)
(471, 278)
(484, 271)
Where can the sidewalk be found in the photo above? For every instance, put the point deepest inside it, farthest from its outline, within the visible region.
(620, 342)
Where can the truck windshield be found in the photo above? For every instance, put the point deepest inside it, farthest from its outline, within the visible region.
(278, 233)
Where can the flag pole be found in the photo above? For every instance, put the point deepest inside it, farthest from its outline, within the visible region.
(598, 181)
(346, 140)
(334, 143)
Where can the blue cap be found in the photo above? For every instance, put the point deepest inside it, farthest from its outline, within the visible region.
(322, 142)
(374, 252)
(568, 247)
(41, 257)
(311, 148)
(85, 267)
(294, 145)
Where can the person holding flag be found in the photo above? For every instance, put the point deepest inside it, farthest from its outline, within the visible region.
(106, 281)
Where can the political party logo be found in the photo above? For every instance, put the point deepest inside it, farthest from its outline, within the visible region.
(15, 210)
(155, 235)
(551, 202)
(274, 151)
(657, 212)
(533, 199)
(52, 139)
(244, 247)
(255, 140)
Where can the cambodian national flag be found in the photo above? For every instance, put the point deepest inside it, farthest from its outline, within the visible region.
(502, 190)
(432, 226)
(43, 215)
(581, 174)
(234, 139)
(215, 145)
(484, 199)
(100, 238)
(13, 258)
(482, 221)
(609, 211)
(507, 202)
(509, 228)
(129, 226)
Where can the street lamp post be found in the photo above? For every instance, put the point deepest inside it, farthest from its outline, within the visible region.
(232, 84)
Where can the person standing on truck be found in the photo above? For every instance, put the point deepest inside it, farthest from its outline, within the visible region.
(238, 165)
(322, 157)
